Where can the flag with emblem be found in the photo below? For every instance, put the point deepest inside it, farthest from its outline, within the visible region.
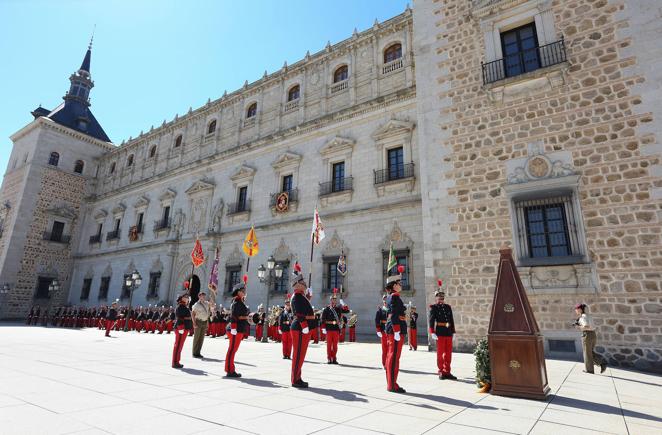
(251, 246)
(318, 229)
(213, 275)
(342, 264)
(197, 256)
(392, 261)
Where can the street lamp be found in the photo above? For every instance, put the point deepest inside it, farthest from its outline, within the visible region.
(268, 276)
(131, 283)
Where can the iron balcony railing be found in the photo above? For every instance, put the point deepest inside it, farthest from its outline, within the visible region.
(396, 172)
(239, 207)
(113, 235)
(524, 61)
(161, 224)
(293, 196)
(337, 185)
(95, 239)
(55, 237)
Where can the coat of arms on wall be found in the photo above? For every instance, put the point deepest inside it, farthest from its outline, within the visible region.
(133, 233)
(282, 202)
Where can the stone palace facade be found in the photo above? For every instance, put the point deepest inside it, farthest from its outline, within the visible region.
(450, 130)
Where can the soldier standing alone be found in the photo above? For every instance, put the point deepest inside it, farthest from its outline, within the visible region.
(442, 328)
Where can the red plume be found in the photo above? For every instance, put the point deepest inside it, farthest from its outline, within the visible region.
(297, 267)
(335, 290)
(439, 282)
(186, 284)
(401, 268)
(245, 278)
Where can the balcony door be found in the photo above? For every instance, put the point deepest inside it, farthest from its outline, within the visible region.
(520, 50)
(396, 164)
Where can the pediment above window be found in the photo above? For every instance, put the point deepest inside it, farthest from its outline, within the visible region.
(100, 215)
(200, 186)
(393, 128)
(168, 194)
(243, 173)
(484, 8)
(287, 159)
(337, 145)
(141, 202)
(119, 209)
(63, 211)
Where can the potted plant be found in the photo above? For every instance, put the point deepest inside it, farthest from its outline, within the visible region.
(483, 371)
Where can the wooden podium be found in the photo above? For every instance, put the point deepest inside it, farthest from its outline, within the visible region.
(517, 356)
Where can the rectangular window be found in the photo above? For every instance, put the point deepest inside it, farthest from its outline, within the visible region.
(103, 287)
(126, 291)
(242, 197)
(139, 224)
(338, 177)
(232, 277)
(166, 215)
(117, 225)
(547, 231)
(57, 231)
(42, 292)
(99, 230)
(396, 163)
(333, 279)
(154, 284)
(520, 50)
(85, 291)
(282, 285)
(287, 183)
(402, 258)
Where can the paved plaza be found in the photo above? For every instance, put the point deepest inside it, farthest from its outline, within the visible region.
(56, 381)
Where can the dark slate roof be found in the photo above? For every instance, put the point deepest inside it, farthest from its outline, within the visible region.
(40, 111)
(69, 114)
(85, 66)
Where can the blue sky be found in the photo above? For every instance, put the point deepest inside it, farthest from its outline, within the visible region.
(154, 58)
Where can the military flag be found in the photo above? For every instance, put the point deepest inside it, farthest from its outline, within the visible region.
(251, 246)
(318, 229)
(392, 261)
(213, 275)
(197, 256)
(342, 264)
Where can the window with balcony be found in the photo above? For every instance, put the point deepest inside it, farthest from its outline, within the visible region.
(338, 177)
(57, 232)
(396, 163)
(139, 223)
(115, 234)
(242, 198)
(286, 185)
(341, 73)
(164, 222)
(393, 52)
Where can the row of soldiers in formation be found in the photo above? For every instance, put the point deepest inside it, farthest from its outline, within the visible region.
(297, 322)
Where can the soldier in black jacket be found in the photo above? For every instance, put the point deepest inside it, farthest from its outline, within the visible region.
(239, 327)
(411, 333)
(442, 328)
(395, 325)
(284, 322)
(304, 322)
(380, 324)
(331, 326)
(111, 317)
(183, 325)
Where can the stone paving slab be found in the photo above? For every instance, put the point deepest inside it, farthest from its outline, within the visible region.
(60, 381)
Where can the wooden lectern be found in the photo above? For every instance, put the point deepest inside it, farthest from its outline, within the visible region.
(517, 357)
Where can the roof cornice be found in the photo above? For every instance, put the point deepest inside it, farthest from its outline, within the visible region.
(49, 123)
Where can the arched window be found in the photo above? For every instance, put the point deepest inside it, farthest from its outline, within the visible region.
(293, 93)
(129, 161)
(178, 141)
(112, 168)
(392, 53)
(152, 151)
(54, 159)
(340, 74)
(252, 111)
(78, 167)
(212, 127)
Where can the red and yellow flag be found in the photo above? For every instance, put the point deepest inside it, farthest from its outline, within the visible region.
(251, 246)
(197, 256)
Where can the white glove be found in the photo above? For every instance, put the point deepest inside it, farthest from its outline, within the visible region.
(396, 336)
(280, 332)
(434, 336)
(233, 331)
(379, 334)
(305, 330)
(323, 331)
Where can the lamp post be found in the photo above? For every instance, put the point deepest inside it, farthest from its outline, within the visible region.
(132, 282)
(4, 292)
(268, 276)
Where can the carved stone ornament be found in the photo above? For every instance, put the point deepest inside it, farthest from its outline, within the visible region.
(168, 194)
(62, 210)
(337, 145)
(141, 202)
(393, 127)
(200, 186)
(539, 166)
(244, 172)
(286, 159)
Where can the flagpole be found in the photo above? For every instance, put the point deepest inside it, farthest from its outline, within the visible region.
(310, 271)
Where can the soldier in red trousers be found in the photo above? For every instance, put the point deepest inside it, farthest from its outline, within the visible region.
(239, 327)
(304, 322)
(183, 326)
(380, 324)
(331, 323)
(111, 317)
(395, 325)
(442, 328)
(284, 322)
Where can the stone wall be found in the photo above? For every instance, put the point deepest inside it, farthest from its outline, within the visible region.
(589, 108)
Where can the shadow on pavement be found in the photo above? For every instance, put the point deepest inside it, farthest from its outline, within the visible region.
(346, 396)
(212, 359)
(639, 382)
(451, 401)
(600, 407)
(260, 383)
(195, 372)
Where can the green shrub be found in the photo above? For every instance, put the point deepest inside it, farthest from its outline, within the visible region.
(482, 354)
